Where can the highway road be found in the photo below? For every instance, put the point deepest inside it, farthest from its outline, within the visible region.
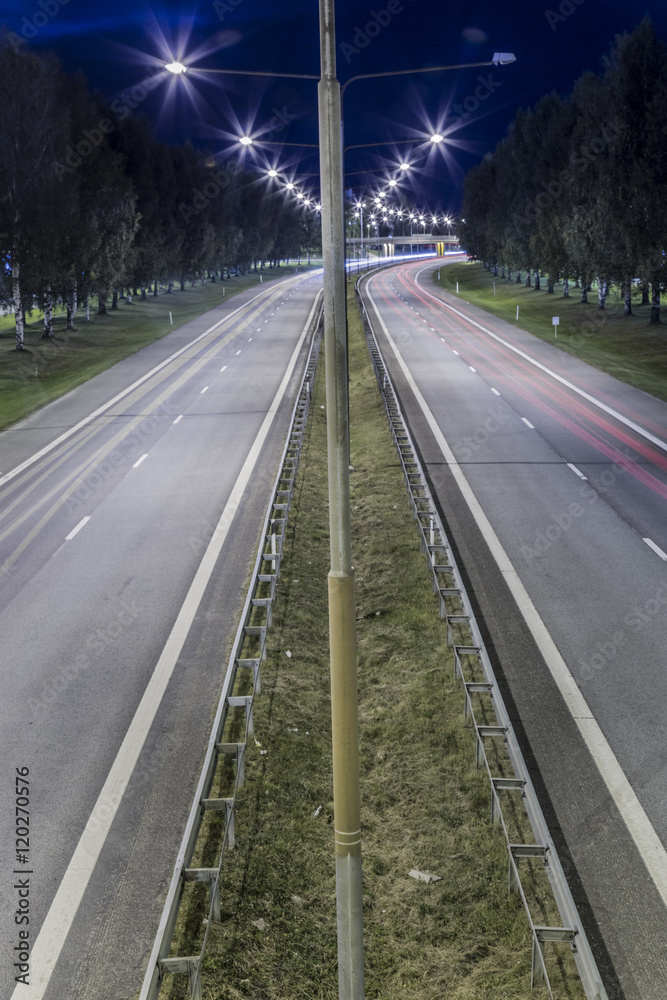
(115, 634)
(552, 479)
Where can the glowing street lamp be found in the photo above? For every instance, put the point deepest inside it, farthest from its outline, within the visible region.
(176, 67)
(245, 140)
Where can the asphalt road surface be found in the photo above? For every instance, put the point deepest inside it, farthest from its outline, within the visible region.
(114, 642)
(552, 479)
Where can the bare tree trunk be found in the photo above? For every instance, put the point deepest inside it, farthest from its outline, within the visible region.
(182, 284)
(48, 315)
(71, 308)
(114, 299)
(143, 293)
(603, 288)
(655, 304)
(538, 286)
(518, 278)
(645, 296)
(128, 297)
(627, 298)
(584, 288)
(155, 289)
(18, 309)
(550, 284)
(528, 279)
(170, 288)
(88, 308)
(566, 288)
(101, 304)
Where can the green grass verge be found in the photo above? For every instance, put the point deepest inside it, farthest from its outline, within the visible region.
(424, 805)
(48, 369)
(627, 347)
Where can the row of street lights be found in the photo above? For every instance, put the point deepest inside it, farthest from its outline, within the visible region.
(342, 611)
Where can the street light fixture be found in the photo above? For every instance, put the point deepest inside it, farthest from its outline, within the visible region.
(176, 67)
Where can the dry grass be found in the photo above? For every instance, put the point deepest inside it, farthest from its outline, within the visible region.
(424, 805)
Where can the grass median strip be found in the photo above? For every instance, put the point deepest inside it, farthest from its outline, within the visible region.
(627, 347)
(424, 805)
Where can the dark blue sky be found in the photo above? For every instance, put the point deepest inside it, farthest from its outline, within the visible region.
(117, 44)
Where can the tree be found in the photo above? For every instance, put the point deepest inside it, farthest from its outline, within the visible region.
(34, 125)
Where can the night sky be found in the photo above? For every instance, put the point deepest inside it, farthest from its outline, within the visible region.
(119, 43)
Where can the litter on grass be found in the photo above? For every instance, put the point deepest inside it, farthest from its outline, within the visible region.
(425, 876)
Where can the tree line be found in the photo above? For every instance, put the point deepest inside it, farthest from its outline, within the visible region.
(576, 189)
(92, 205)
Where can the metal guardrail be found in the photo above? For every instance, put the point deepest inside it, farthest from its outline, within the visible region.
(248, 651)
(483, 700)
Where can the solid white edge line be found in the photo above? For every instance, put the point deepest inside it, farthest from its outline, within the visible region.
(576, 470)
(178, 419)
(630, 808)
(559, 378)
(656, 548)
(224, 368)
(74, 531)
(203, 390)
(140, 460)
(528, 423)
(121, 395)
(63, 909)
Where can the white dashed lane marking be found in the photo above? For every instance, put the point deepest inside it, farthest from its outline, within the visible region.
(74, 531)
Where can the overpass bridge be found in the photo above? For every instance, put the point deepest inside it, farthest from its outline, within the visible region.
(387, 246)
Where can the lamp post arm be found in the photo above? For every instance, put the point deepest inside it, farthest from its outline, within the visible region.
(253, 72)
(410, 72)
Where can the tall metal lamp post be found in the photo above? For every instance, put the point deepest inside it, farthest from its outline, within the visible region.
(342, 613)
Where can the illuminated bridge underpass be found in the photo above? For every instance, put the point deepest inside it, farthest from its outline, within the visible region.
(388, 246)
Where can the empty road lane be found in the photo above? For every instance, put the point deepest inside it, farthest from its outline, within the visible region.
(552, 478)
(130, 512)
